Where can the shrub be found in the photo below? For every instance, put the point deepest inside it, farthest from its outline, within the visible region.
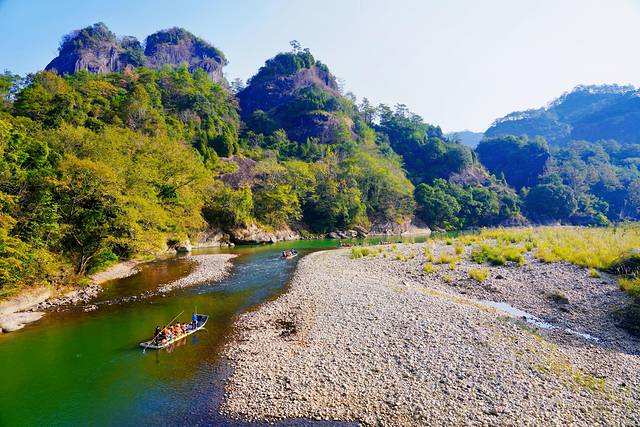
(429, 268)
(447, 278)
(594, 273)
(630, 285)
(459, 249)
(479, 274)
(627, 264)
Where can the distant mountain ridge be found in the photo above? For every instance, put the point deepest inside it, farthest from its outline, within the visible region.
(467, 137)
(588, 113)
(96, 49)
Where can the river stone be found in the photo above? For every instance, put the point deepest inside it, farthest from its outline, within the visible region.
(183, 248)
(14, 321)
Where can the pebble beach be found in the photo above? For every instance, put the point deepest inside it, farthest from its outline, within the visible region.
(379, 341)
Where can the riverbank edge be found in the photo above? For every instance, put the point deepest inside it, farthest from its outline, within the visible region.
(31, 304)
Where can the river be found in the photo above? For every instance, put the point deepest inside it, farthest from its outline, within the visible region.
(77, 368)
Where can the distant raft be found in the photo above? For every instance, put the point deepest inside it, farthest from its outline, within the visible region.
(201, 320)
(289, 254)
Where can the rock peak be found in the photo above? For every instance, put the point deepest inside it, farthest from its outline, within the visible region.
(97, 49)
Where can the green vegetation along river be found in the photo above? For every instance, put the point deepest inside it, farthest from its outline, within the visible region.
(76, 368)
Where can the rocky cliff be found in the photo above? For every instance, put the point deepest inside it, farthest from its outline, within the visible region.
(177, 46)
(96, 49)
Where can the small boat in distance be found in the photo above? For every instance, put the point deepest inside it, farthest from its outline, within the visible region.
(292, 253)
(192, 328)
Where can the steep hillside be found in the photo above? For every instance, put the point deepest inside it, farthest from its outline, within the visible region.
(589, 173)
(298, 94)
(590, 113)
(131, 149)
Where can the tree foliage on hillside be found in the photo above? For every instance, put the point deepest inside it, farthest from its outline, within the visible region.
(519, 160)
(94, 168)
(427, 153)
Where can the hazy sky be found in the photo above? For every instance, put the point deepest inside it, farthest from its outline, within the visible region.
(460, 64)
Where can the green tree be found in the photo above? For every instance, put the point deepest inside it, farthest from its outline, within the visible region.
(436, 206)
(551, 200)
(89, 193)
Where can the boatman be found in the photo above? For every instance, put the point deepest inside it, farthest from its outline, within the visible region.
(156, 335)
(194, 320)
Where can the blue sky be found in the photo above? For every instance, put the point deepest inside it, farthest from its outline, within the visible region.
(459, 64)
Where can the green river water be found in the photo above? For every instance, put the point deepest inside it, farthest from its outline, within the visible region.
(77, 368)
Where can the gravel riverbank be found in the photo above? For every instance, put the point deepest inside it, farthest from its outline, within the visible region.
(209, 268)
(382, 342)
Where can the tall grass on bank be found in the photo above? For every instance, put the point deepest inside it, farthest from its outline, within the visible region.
(498, 255)
(596, 248)
(615, 250)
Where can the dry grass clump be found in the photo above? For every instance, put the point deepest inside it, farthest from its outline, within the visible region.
(361, 252)
(446, 258)
(479, 274)
(498, 254)
(630, 285)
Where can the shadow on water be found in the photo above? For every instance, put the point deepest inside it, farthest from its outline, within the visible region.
(86, 368)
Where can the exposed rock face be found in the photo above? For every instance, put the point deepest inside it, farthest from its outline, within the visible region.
(97, 50)
(94, 49)
(183, 247)
(213, 238)
(254, 234)
(244, 175)
(176, 46)
(408, 226)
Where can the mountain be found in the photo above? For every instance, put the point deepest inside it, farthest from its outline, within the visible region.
(96, 49)
(588, 113)
(298, 94)
(576, 159)
(466, 137)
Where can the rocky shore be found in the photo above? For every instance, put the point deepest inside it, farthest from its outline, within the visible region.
(379, 341)
(209, 268)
